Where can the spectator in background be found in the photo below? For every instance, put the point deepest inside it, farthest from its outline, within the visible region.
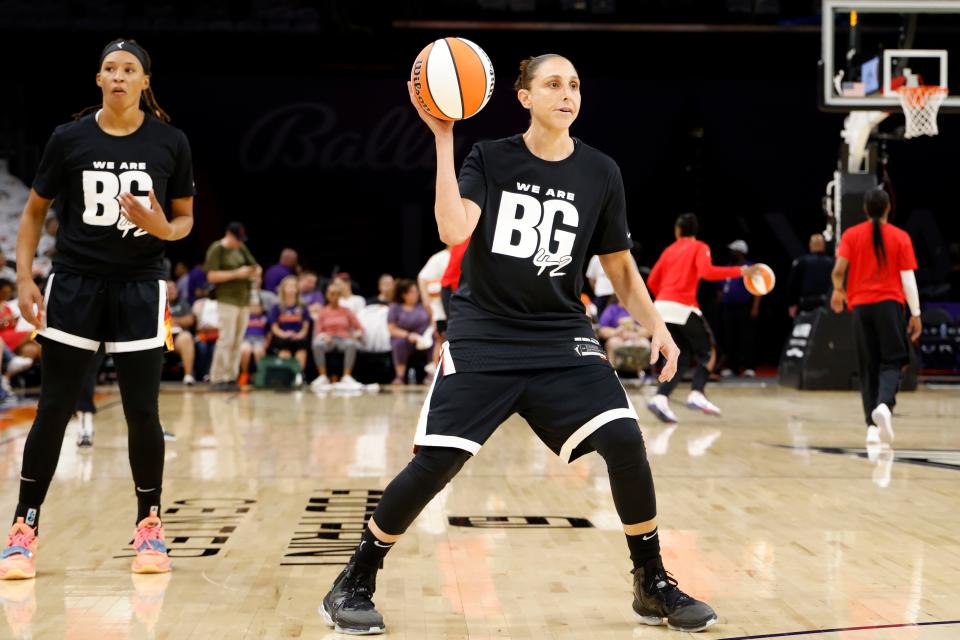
(428, 281)
(205, 310)
(600, 283)
(407, 321)
(309, 292)
(337, 329)
(288, 265)
(182, 323)
(268, 299)
(809, 283)
(626, 341)
(6, 271)
(231, 268)
(19, 340)
(254, 340)
(290, 325)
(739, 312)
(47, 246)
(181, 278)
(386, 288)
(197, 285)
(350, 300)
(451, 275)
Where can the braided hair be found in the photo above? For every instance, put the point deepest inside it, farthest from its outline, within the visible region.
(876, 203)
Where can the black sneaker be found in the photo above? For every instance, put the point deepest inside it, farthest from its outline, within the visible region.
(348, 607)
(656, 596)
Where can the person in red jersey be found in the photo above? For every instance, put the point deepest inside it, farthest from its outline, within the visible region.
(878, 261)
(673, 281)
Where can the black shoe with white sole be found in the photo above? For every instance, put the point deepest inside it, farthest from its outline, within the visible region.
(656, 598)
(348, 607)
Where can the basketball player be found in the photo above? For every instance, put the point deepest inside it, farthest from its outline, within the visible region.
(535, 206)
(674, 280)
(878, 261)
(118, 172)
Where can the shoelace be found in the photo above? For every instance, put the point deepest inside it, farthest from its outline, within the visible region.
(666, 584)
(144, 536)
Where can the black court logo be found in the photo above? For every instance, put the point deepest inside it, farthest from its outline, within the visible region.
(520, 522)
(939, 458)
(200, 527)
(331, 526)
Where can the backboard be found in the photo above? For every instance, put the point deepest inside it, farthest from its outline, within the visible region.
(871, 47)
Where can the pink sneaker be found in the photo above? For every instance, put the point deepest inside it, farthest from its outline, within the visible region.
(18, 559)
(150, 547)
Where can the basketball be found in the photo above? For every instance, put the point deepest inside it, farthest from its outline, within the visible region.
(452, 78)
(761, 283)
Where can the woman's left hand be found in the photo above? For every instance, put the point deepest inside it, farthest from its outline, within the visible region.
(152, 220)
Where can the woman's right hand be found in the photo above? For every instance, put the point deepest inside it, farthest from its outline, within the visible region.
(29, 294)
(439, 127)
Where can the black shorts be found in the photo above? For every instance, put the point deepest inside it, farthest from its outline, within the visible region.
(694, 338)
(563, 406)
(85, 312)
(286, 344)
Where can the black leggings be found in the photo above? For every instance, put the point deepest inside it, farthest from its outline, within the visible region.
(63, 370)
(620, 443)
(882, 350)
(694, 339)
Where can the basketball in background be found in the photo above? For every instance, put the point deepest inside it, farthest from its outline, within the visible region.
(452, 78)
(762, 281)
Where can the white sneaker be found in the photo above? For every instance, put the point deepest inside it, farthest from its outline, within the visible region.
(873, 434)
(726, 373)
(873, 446)
(298, 380)
(85, 433)
(749, 373)
(322, 383)
(189, 380)
(660, 407)
(349, 383)
(18, 364)
(696, 400)
(882, 417)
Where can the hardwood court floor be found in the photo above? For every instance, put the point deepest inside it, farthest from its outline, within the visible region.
(772, 513)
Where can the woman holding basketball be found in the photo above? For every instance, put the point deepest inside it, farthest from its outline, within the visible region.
(535, 206)
(878, 261)
(123, 181)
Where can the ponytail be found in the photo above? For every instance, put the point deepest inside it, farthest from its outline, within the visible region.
(876, 204)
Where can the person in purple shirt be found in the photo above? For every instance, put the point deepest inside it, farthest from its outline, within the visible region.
(407, 321)
(288, 266)
(196, 283)
(739, 312)
(626, 341)
(254, 340)
(290, 325)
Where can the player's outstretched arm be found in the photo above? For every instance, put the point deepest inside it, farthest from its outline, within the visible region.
(456, 217)
(633, 295)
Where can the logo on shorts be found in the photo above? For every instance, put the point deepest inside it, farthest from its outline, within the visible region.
(589, 347)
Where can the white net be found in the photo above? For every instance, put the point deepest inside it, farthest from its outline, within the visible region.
(920, 107)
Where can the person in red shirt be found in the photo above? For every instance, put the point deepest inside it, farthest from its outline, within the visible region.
(673, 281)
(878, 261)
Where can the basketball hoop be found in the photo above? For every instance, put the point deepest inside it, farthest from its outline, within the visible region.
(920, 106)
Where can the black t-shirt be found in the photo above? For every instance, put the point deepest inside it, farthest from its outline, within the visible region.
(84, 169)
(518, 304)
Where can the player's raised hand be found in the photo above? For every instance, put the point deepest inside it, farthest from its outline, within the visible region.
(662, 342)
(152, 220)
(437, 126)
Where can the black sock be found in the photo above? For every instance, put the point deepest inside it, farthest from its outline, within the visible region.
(644, 548)
(148, 504)
(371, 552)
(30, 515)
